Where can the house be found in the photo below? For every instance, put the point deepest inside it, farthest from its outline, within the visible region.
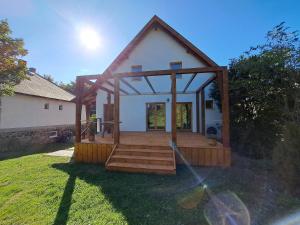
(38, 113)
(155, 99)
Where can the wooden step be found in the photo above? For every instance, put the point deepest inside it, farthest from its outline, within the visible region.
(144, 147)
(142, 159)
(144, 152)
(144, 168)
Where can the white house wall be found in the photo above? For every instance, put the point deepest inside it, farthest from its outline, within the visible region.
(155, 52)
(21, 111)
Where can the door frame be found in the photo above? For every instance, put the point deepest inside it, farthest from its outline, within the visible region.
(186, 130)
(147, 118)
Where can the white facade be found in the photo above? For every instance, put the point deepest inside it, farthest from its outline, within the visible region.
(21, 111)
(155, 52)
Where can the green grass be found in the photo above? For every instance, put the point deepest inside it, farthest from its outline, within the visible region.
(39, 189)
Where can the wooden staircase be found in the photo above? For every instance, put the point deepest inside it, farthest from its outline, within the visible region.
(142, 158)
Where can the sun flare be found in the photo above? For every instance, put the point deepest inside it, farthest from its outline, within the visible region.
(89, 38)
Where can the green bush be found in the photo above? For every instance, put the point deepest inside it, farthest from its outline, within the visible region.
(286, 157)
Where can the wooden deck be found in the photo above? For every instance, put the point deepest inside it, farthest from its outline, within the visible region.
(157, 138)
(150, 152)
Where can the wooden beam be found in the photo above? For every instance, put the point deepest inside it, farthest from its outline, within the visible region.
(117, 111)
(107, 74)
(78, 93)
(150, 85)
(173, 109)
(90, 77)
(112, 85)
(205, 84)
(188, 83)
(87, 113)
(197, 112)
(202, 112)
(169, 72)
(129, 85)
(225, 111)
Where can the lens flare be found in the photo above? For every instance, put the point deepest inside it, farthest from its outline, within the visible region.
(221, 209)
(293, 219)
(89, 38)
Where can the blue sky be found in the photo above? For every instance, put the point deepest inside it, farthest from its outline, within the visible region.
(222, 29)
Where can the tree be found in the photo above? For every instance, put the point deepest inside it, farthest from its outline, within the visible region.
(264, 85)
(70, 87)
(49, 77)
(12, 68)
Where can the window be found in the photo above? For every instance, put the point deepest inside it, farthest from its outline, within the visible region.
(46, 106)
(60, 107)
(176, 66)
(53, 134)
(209, 104)
(136, 68)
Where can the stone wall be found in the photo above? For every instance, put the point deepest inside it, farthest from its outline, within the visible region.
(20, 139)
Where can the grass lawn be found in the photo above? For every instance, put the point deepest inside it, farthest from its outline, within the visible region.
(39, 189)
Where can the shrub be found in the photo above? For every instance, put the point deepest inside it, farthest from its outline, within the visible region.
(286, 157)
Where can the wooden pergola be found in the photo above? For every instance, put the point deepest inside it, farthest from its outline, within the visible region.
(88, 97)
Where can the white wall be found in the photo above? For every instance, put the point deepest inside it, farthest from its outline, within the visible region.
(155, 52)
(27, 111)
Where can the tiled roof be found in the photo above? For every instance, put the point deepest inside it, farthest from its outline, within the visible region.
(38, 86)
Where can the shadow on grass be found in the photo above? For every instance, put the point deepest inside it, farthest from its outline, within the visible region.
(36, 149)
(141, 198)
(65, 204)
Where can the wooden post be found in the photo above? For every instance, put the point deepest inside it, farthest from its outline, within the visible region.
(108, 112)
(225, 110)
(203, 112)
(79, 87)
(197, 112)
(116, 111)
(87, 116)
(173, 109)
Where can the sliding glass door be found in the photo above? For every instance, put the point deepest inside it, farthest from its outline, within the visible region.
(156, 116)
(184, 116)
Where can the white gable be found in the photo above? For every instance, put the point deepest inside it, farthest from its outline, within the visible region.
(155, 52)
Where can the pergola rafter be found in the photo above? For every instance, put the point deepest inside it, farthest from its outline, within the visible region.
(150, 85)
(189, 82)
(112, 85)
(129, 85)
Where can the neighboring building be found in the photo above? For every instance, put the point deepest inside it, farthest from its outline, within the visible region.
(37, 113)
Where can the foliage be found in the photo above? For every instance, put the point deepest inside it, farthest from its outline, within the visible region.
(93, 124)
(264, 89)
(70, 87)
(49, 77)
(12, 68)
(286, 157)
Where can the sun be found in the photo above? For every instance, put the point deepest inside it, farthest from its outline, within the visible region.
(89, 38)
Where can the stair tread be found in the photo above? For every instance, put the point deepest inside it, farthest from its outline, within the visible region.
(141, 166)
(168, 158)
(144, 150)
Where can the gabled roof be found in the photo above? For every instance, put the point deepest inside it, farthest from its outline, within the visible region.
(157, 22)
(40, 87)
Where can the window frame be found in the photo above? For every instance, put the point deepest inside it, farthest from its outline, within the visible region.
(211, 101)
(133, 67)
(46, 105)
(178, 76)
(60, 107)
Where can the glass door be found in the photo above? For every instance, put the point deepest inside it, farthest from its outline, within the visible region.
(184, 116)
(156, 116)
